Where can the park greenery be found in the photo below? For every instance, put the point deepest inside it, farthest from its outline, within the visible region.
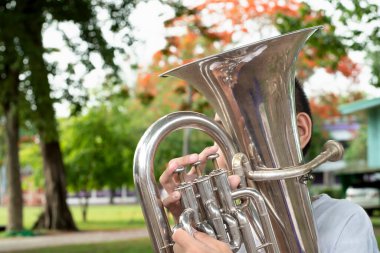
(94, 147)
(131, 246)
(26, 90)
(99, 217)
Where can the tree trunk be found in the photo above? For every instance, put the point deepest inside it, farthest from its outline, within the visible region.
(84, 207)
(15, 218)
(9, 95)
(112, 196)
(57, 214)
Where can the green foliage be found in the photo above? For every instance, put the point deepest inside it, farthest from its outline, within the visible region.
(334, 192)
(25, 75)
(353, 15)
(22, 53)
(98, 153)
(350, 17)
(328, 44)
(358, 147)
(30, 157)
(374, 57)
(99, 146)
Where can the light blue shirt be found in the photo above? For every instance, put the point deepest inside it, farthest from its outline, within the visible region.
(342, 226)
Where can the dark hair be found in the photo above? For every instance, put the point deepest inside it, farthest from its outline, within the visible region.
(302, 105)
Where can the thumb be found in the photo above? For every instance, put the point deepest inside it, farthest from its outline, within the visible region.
(186, 241)
(212, 243)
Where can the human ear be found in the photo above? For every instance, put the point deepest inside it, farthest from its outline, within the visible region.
(304, 126)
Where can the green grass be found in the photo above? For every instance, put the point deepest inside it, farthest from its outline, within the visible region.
(110, 217)
(376, 220)
(132, 246)
(101, 217)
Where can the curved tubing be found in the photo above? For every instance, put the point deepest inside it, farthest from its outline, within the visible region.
(216, 219)
(255, 196)
(233, 228)
(147, 190)
(333, 151)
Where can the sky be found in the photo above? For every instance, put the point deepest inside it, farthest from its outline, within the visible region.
(148, 20)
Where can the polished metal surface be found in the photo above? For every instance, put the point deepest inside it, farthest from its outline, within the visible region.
(146, 187)
(251, 88)
(333, 151)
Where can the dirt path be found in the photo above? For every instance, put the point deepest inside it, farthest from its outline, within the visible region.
(23, 243)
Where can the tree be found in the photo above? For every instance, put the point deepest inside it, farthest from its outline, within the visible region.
(215, 25)
(358, 31)
(9, 98)
(232, 21)
(357, 151)
(2, 160)
(94, 152)
(23, 23)
(15, 217)
(30, 157)
(353, 16)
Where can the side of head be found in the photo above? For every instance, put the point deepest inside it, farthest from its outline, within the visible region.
(304, 117)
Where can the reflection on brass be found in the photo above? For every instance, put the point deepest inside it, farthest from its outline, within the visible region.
(251, 88)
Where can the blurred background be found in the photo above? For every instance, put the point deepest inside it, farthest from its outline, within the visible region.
(80, 84)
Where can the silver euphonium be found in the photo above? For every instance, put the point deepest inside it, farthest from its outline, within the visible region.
(251, 88)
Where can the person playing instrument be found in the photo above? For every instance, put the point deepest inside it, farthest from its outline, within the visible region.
(342, 226)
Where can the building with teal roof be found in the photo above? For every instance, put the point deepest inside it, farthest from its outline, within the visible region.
(372, 108)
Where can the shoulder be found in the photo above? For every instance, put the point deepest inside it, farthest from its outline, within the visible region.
(324, 205)
(342, 226)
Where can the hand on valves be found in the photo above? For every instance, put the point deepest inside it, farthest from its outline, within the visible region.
(184, 242)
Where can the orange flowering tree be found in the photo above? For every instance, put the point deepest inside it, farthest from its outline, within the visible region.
(169, 94)
(202, 29)
(214, 25)
(228, 21)
(326, 107)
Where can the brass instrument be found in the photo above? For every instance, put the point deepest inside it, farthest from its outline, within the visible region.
(251, 88)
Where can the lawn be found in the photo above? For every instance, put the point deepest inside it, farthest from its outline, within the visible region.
(99, 217)
(132, 246)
